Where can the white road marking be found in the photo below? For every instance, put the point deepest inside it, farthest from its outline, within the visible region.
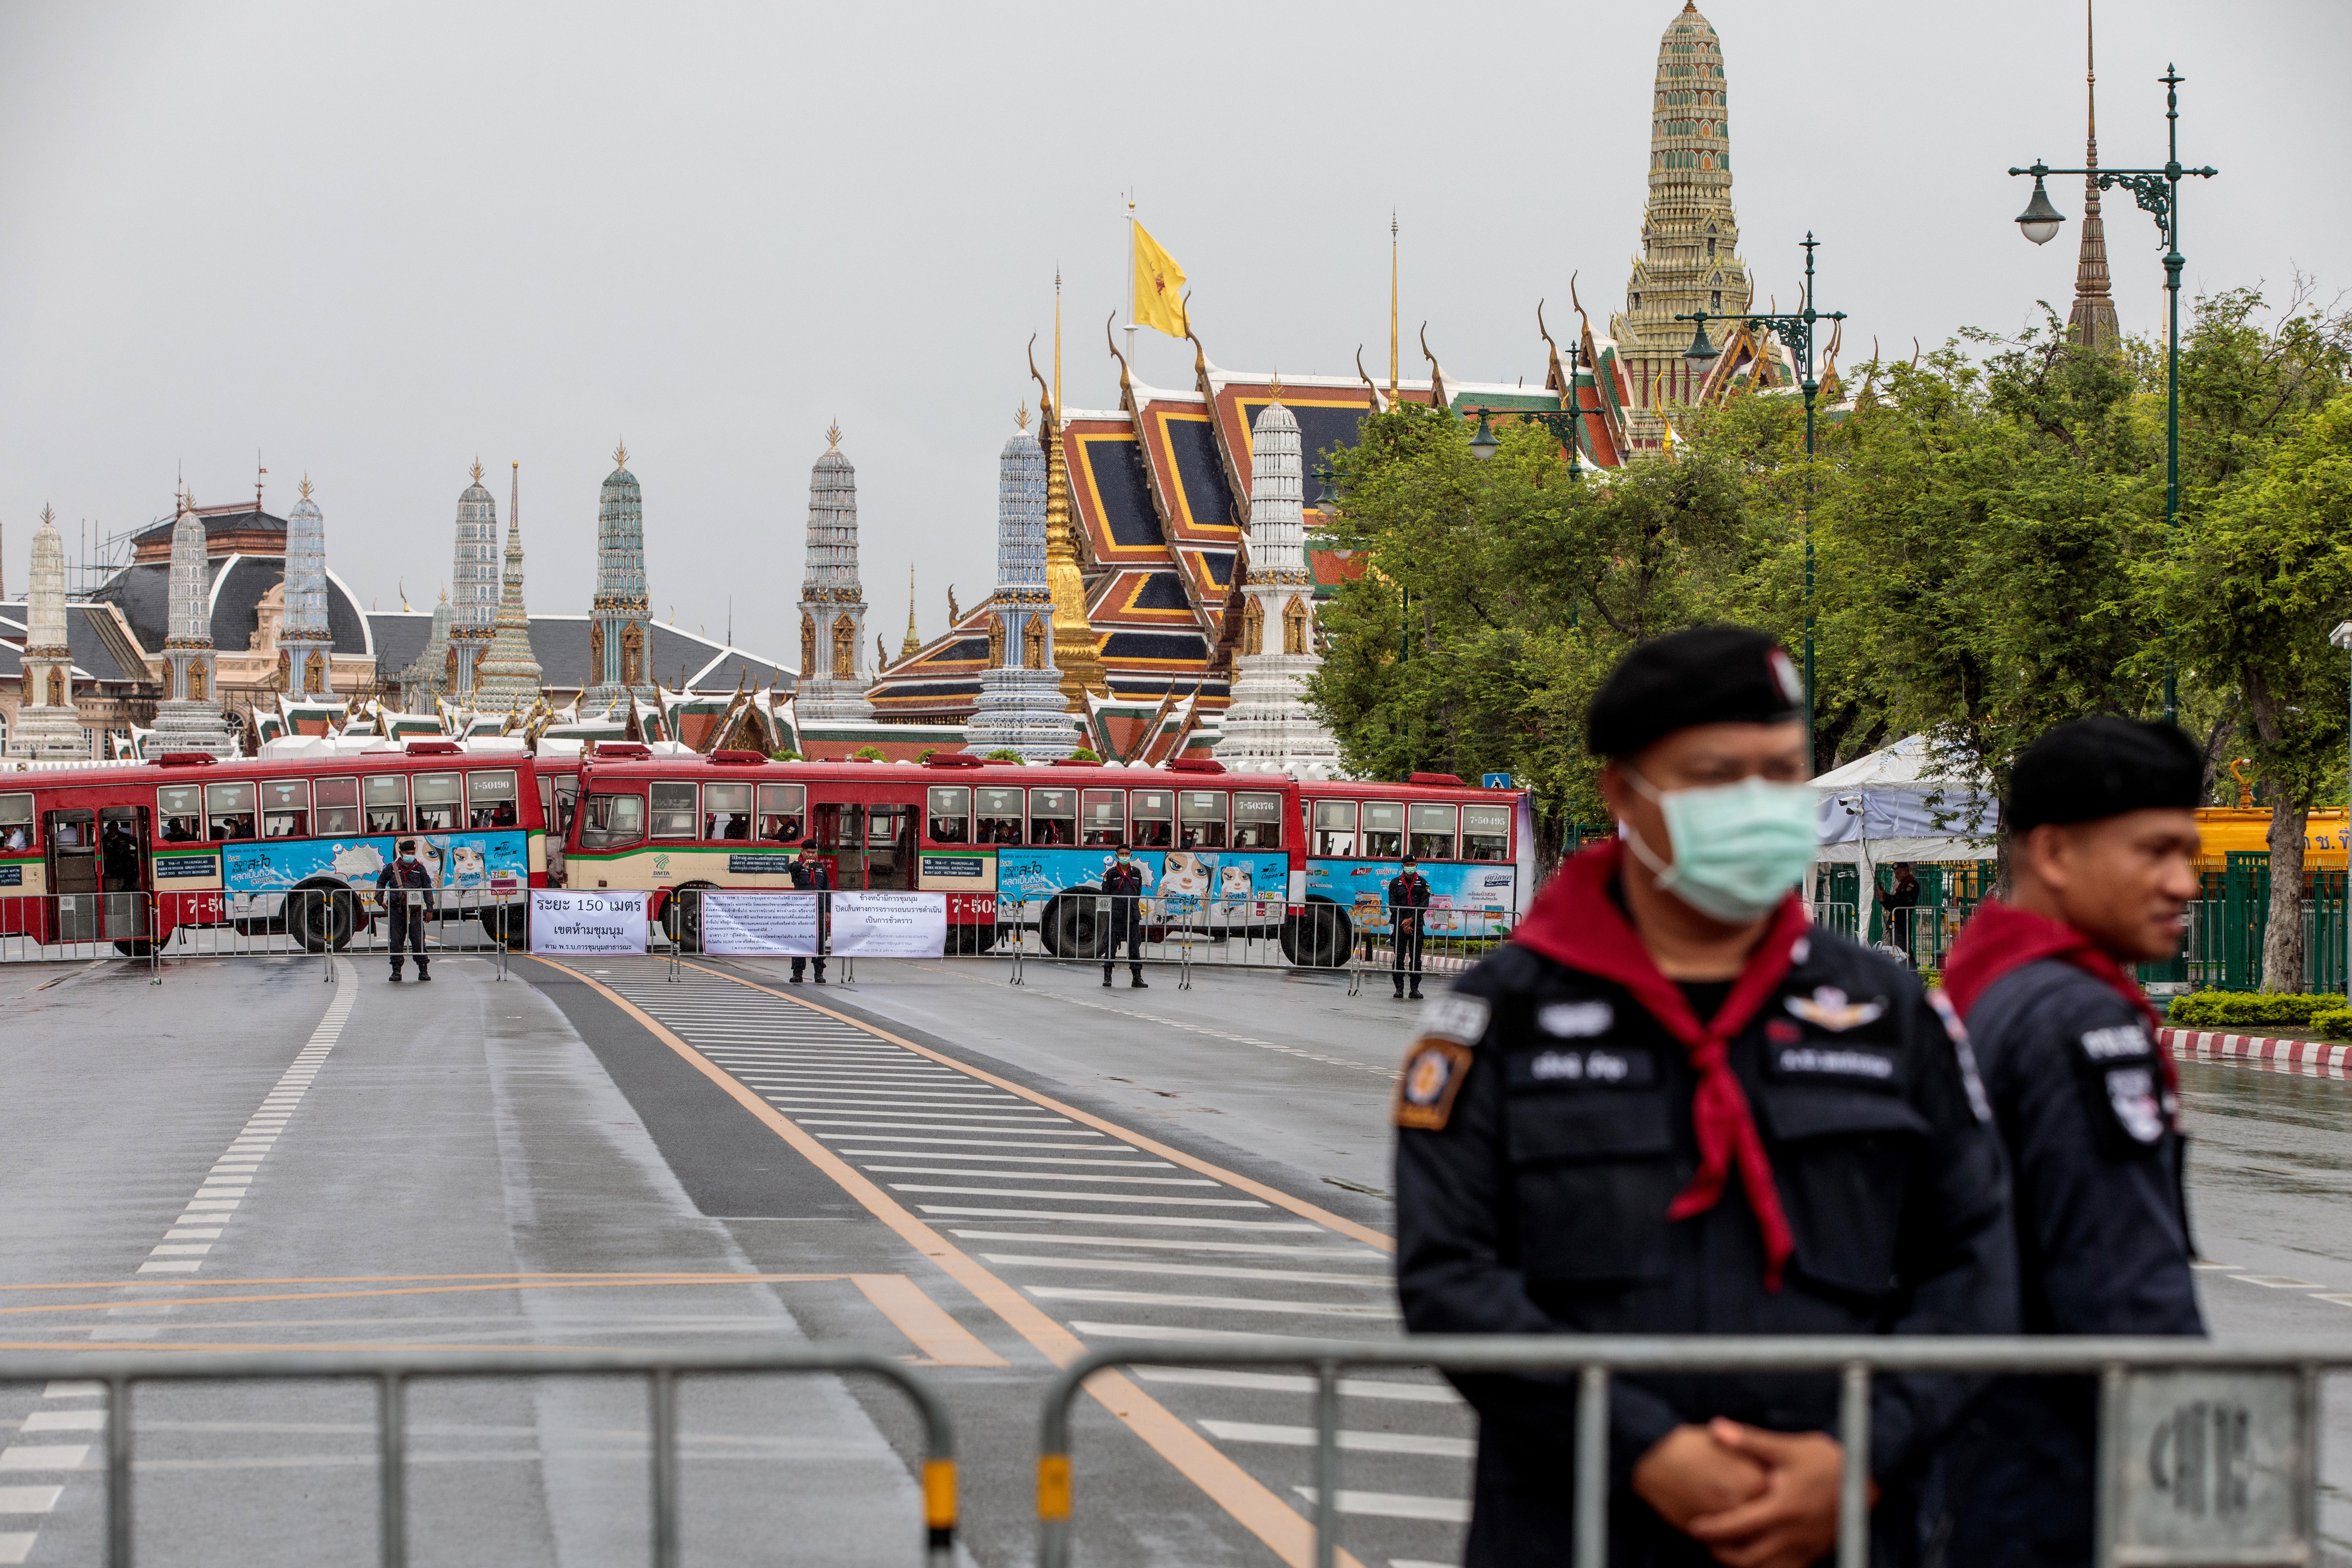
(929, 1127)
(15, 1545)
(1194, 1271)
(1206, 1303)
(1290, 1383)
(29, 1500)
(954, 1143)
(1397, 1505)
(2276, 1281)
(62, 1390)
(1043, 1175)
(1353, 1441)
(1022, 1159)
(177, 1265)
(1076, 1197)
(66, 1421)
(1185, 1220)
(180, 1249)
(42, 1456)
(1262, 1248)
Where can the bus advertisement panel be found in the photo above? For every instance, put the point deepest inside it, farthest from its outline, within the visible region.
(1464, 900)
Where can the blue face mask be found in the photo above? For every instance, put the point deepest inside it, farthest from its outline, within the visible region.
(1739, 848)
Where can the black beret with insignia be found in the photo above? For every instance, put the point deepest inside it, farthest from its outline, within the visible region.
(2101, 767)
(1707, 675)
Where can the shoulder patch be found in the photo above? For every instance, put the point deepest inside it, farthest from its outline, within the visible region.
(1962, 1052)
(1575, 1020)
(1456, 1015)
(2117, 1042)
(1828, 1008)
(2131, 1094)
(1431, 1079)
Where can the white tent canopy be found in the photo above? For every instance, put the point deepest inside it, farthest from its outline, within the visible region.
(1901, 804)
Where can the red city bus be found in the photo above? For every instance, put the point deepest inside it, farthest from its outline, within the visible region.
(1475, 848)
(215, 842)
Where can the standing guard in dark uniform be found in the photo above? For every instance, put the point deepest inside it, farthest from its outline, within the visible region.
(1408, 900)
(809, 875)
(1123, 883)
(2103, 847)
(1669, 1104)
(405, 889)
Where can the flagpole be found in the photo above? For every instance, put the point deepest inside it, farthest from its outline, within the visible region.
(1131, 279)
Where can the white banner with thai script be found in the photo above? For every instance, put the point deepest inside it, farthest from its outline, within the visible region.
(889, 925)
(744, 925)
(570, 920)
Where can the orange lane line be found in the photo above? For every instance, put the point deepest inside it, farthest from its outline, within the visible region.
(932, 1328)
(425, 1290)
(1299, 1206)
(172, 1348)
(671, 1274)
(1241, 1495)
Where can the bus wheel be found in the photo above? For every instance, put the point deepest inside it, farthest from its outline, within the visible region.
(320, 917)
(682, 916)
(1318, 937)
(135, 947)
(1069, 928)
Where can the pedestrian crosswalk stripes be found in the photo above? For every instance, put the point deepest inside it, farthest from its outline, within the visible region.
(1085, 1214)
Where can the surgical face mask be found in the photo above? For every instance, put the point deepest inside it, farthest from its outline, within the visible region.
(1124, 859)
(1739, 848)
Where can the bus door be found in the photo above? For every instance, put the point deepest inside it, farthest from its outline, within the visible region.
(839, 830)
(122, 870)
(74, 873)
(890, 844)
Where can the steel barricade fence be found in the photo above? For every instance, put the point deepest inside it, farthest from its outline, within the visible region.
(337, 923)
(66, 928)
(1433, 940)
(1179, 931)
(392, 1374)
(2208, 1451)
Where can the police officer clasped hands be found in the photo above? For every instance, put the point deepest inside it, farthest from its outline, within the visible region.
(1671, 1105)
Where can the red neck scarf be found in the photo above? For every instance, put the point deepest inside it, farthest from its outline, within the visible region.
(1575, 920)
(2000, 938)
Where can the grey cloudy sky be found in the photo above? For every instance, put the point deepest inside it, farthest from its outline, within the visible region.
(374, 242)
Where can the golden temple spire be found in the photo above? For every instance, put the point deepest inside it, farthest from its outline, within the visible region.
(1021, 416)
(1393, 306)
(306, 487)
(477, 471)
(1074, 653)
(833, 437)
(620, 454)
(1057, 338)
(907, 647)
(2092, 321)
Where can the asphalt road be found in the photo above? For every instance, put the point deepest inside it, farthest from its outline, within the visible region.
(977, 1177)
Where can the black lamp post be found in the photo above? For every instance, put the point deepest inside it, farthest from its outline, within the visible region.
(2157, 192)
(1795, 329)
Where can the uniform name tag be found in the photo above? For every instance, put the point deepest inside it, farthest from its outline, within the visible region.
(1599, 1066)
(1576, 1020)
(2117, 1042)
(1832, 1061)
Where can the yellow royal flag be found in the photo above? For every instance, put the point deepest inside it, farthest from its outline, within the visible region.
(1159, 286)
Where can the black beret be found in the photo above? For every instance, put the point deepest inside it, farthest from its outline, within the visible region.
(1709, 675)
(2101, 767)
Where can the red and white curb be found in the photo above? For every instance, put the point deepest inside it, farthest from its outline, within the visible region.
(2318, 1057)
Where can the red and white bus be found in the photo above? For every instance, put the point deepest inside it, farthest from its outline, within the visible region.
(128, 854)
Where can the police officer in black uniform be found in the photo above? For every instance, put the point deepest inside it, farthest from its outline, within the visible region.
(809, 875)
(1124, 884)
(1671, 1105)
(2102, 848)
(405, 889)
(1407, 899)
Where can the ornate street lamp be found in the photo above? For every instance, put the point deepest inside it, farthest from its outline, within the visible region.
(2157, 192)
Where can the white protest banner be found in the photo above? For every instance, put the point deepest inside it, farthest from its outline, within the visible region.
(889, 925)
(753, 924)
(568, 920)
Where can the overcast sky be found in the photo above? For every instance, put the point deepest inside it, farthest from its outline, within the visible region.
(374, 243)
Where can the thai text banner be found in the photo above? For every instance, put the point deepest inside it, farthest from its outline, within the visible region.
(569, 921)
(759, 924)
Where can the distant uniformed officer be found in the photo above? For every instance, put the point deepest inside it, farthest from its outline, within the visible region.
(1124, 884)
(2103, 847)
(1408, 902)
(406, 888)
(809, 874)
(1671, 1105)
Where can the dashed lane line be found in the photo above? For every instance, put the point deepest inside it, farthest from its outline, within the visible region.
(1251, 1503)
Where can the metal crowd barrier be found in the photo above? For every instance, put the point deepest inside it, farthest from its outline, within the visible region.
(392, 1374)
(79, 926)
(2208, 1451)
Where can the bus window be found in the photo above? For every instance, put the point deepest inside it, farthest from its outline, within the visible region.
(339, 807)
(436, 800)
(726, 812)
(783, 813)
(1257, 822)
(610, 821)
(1154, 810)
(491, 800)
(228, 809)
(998, 816)
(1103, 819)
(286, 809)
(181, 809)
(1052, 816)
(950, 813)
(387, 803)
(1485, 833)
(1384, 829)
(673, 811)
(1432, 833)
(16, 822)
(1335, 828)
(1200, 818)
